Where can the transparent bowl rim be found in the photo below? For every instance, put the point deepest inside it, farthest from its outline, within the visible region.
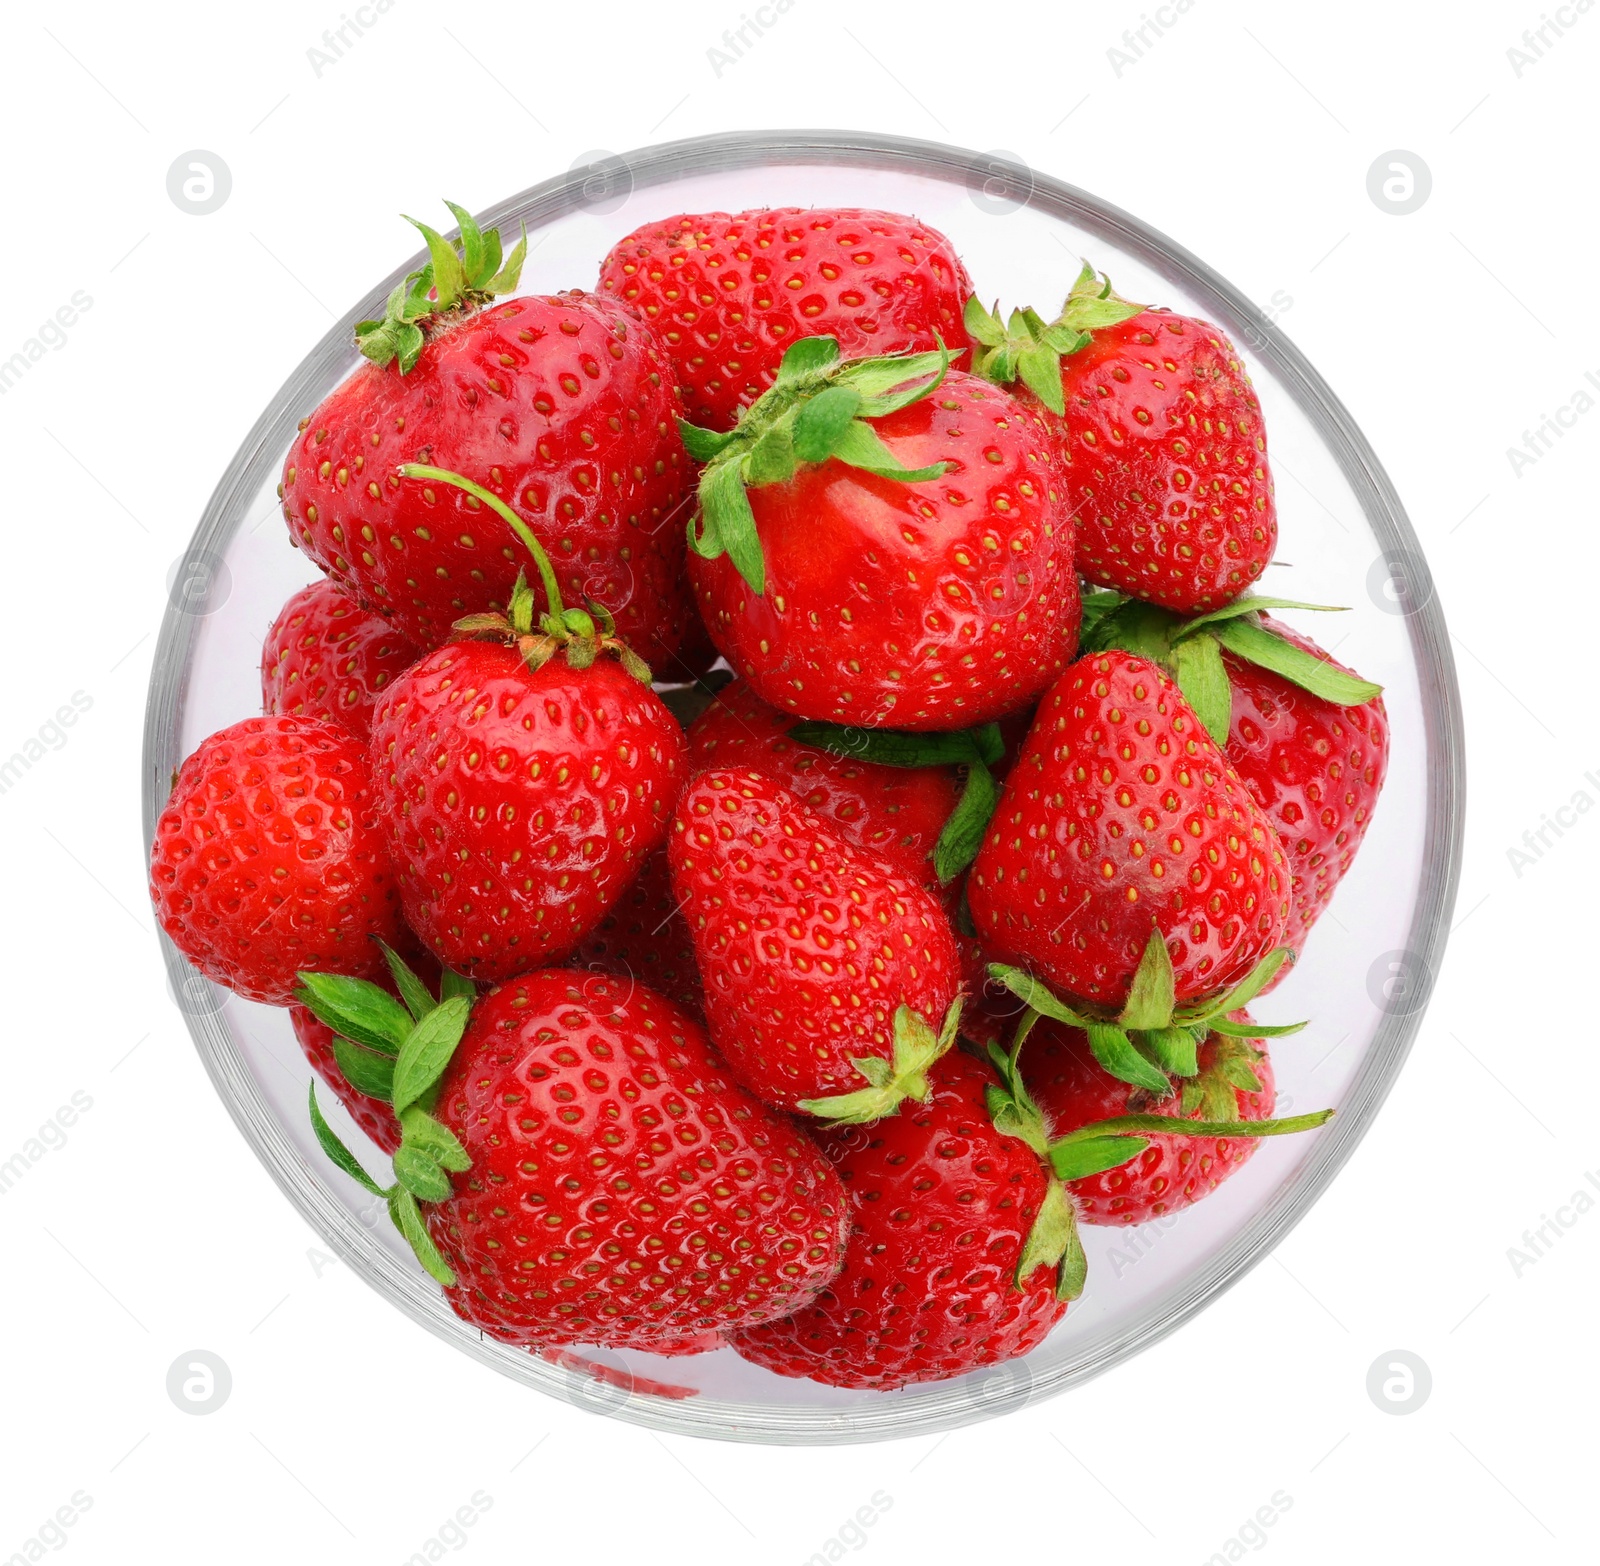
(937, 1407)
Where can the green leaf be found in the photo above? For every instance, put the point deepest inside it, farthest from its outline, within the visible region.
(491, 263)
(1259, 646)
(772, 459)
(890, 747)
(365, 1069)
(1116, 1053)
(889, 1083)
(805, 358)
(453, 985)
(1152, 994)
(1026, 988)
(337, 1151)
(962, 835)
(821, 422)
(1094, 1155)
(703, 444)
(1242, 993)
(990, 743)
(1074, 1268)
(355, 1009)
(1254, 1030)
(427, 1051)
(729, 516)
(510, 274)
(449, 280)
(1249, 604)
(1168, 1125)
(1050, 1236)
(983, 326)
(896, 380)
(472, 248)
(407, 1218)
(420, 1175)
(1197, 666)
(412, 990)
(436, 1139)
(1176, 1050)
(860, 446)
(1040, 369)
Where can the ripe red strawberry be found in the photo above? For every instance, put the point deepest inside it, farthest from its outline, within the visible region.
(828, 976)
(886, 545)
(327, 657)
(960, 1246)
(643, 937)
(318, 1043)
(562, 406)
(1073, 1090)
(729, 293)
(587, 1172)
(1121, 818)
(1164, 438)
(269, 857)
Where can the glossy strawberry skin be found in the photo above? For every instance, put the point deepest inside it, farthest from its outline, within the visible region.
(933, 605)
(896, 813)
(941, 1205)
(729, 293)
(1120, 816)
(643, 937)
(269, 859)
(623, 1190)
(327, 657)
(1168, 463)
(561, 406)
(374, 1117)
(1173, 1172)
(519, 805)
(1316, 769)
(806, 945)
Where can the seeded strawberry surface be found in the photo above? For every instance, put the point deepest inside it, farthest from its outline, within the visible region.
(1167, 463)
(807, 945)
(269, 858)
(561, 406)
(932, 605)
(327, 657)
(729, 292)
(519, 804)
(941, 1205)
(623, 1189)
(643, 937)
(1121, 816)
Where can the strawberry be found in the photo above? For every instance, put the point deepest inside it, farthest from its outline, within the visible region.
(576, 1166)
(885, 542)
(831, 981)
(523, 785)
(321, 1047)
(729, 293)
(1125, 849)
(326, 657)
(269, 857)
(643, 937)
(1308, 737)
(962, 1249)
(1163, 437)
(562, 406)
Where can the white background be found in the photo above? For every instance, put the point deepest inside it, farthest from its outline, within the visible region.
(1246, 131)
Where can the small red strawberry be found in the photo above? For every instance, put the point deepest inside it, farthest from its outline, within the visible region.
(962, 1249)
(831, 981)
(1164, 439)
(884, 544)
(1121, 827)
(321, 1047)
(270, 857)
(327, 657)
(562, 406)
(576, 1166)
(643, 937)
(523, 785)
(729, 293)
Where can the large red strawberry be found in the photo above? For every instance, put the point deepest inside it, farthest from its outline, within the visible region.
(576, 1166)
(831, 980)
(643, 937)
(270, 857)
(962, 1249)
(562, 406)
(884, 544)
(1122, 826)
(327, 657)
(1163, 433)
(523, 785)
(729, 293)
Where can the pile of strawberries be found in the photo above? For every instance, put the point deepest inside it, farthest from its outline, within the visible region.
(810, 1009)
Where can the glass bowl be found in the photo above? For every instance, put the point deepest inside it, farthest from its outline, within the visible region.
(1367, 970)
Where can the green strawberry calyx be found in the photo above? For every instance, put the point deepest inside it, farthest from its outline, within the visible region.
(974, 751)
(396, 1051)
(819, 408)
(454, 282)
(1191, 650)
(1025, 347)
(572, 632)
(1152, 1039)
(891, 1082)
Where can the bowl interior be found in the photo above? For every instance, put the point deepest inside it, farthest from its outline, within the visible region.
(1342, 530)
